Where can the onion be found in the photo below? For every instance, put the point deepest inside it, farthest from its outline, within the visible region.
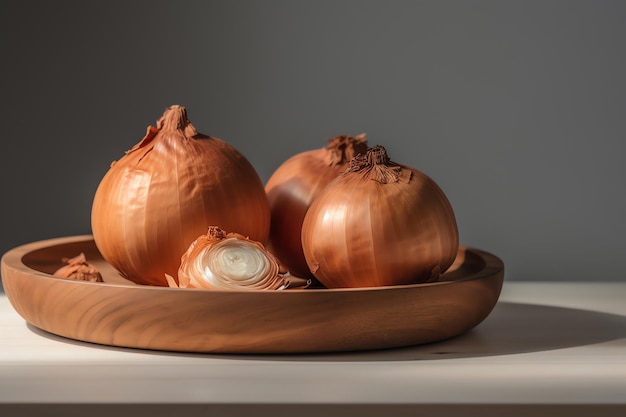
(220, 260)
(292, 188)
(379, 224)
(166, 191)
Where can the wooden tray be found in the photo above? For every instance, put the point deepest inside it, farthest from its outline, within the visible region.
(120, 313)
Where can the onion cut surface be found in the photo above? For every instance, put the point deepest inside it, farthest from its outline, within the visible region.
(220, 260)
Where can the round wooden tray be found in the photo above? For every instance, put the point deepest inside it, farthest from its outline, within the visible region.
(120, 313)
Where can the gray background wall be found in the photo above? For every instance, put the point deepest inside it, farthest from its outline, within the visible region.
(516, 108)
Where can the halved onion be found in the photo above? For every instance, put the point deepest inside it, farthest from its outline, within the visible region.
(220, 260)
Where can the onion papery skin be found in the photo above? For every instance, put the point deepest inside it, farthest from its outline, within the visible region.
(166, 191)
(361, 232)
(292, 188)
(220, 260)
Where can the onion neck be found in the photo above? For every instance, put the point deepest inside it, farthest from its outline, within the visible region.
(175, 118)
(342, 149)
(215, 233)
(375, 165)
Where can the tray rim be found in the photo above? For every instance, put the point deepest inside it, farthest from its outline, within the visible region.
(13, 259)
(327, 320)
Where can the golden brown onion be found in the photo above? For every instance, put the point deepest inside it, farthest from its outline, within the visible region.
(292, 188)
(166, 191)
(379, 224)
(220, 260)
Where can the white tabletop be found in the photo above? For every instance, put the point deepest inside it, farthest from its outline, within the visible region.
(545, 344)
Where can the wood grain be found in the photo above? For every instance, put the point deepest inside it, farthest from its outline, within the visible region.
(120, 313)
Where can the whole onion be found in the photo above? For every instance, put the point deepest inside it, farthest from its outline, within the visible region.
(292, 188)
(378, 224)
(166, 191)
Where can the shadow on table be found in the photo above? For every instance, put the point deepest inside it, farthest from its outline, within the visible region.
(511, 328)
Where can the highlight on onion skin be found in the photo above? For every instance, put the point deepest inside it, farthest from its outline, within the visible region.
(379, 224)
(220, 260)
(166, 191)
(292, 188)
